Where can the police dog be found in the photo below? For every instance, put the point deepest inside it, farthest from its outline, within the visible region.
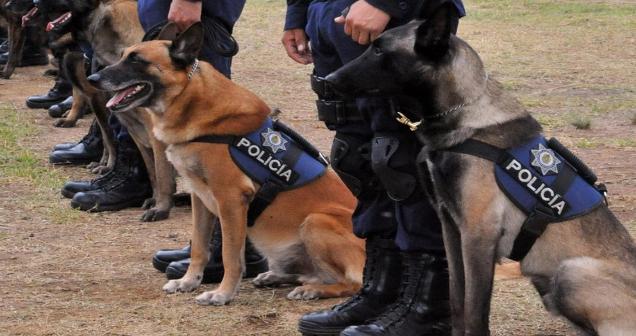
(110, 27)
(305, 233)
(584, 268)
(17, 13)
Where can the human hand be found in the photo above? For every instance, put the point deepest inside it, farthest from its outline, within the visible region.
(296, 44)
(363, 22)
(184, 13)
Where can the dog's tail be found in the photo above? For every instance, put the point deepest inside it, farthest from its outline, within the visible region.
(75, 69)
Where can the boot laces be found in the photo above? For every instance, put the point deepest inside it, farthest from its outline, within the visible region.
(369, 269)
(92, 135)
(412, 276)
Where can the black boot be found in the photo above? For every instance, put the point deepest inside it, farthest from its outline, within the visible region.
(423, 308)
(60, 91)
(128, 186)
(382, 272)
(71, 188)
(164, 257)
(58, 110)
(255, 263)
(87, 150)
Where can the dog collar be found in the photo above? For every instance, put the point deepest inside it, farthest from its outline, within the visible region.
(194, 69)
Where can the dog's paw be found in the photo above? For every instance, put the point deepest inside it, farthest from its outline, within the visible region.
(304, 293)
(213, 298)
(92, 165)
(64, 123)
(100, 170)
(148, 203)
(154, 215)
(266, 279)
(180, 285)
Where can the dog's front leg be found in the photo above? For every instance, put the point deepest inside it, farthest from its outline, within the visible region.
(164, 184)
(202, 220)
(233, 218)
(478, 251)
(453, 244)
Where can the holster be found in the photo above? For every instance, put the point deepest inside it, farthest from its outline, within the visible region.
(332, 108)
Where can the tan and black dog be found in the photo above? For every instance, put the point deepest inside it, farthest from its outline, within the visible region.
(501, 188)
(109, 27)
(305, 233)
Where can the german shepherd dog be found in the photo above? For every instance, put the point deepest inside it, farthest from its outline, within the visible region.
(584, 268)
(305, 233)
(110, 27)
(13, 12)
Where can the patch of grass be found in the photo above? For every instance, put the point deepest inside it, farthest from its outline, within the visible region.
(581, 122)
(587, 144)
(625, 143)
(549, 121)
(21, 165)
(3, 236)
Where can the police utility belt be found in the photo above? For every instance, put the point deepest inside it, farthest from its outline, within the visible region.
(274, 156)
(333, 110)
(543, 179)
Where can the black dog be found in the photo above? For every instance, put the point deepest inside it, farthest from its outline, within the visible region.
(583, 266)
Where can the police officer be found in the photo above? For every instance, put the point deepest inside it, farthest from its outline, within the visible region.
(405, 289)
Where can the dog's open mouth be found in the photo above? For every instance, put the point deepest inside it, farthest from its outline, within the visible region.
(124, 98)
(29, 16)
(59, 22)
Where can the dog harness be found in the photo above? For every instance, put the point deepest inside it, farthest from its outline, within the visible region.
(274, 156)
(543, 179)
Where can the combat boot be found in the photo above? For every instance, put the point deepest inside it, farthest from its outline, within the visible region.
(423, 308)
(380, 288)
(87, 150)
(128, 186)
(255, 263)
(57, 94)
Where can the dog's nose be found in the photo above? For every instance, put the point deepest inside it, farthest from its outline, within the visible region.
(94, 78)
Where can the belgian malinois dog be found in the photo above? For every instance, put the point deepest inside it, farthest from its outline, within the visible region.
(305, 233)
(17, 13)
(584, 268)
(110, 27)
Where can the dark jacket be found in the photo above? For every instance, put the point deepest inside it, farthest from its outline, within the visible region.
(398, 9)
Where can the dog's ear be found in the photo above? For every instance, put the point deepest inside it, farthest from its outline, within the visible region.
(168, 32)
(186, 46)
(433, 35)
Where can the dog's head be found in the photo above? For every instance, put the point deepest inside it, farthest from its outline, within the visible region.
(18, 7)
(418, 59)
(64, 16)
(151, 74)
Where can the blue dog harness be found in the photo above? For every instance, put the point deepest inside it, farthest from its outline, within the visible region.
(274, 156)
(543, 179)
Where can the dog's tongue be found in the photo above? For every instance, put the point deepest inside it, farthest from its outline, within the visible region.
(53, 24)
(119, 96)
(28, 16)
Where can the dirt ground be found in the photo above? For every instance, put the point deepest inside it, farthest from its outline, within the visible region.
(64, 272)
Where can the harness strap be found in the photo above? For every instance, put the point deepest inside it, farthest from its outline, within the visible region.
(263, 198)
(540, 217)
(482, 150)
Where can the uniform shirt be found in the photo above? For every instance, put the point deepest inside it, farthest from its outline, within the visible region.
(398, 9)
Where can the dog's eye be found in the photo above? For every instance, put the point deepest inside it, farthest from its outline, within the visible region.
(135, 59)
(378, 51)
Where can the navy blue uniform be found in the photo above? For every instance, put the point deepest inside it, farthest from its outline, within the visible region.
(408, 217)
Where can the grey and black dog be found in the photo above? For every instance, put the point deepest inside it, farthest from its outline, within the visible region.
(584, 268)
